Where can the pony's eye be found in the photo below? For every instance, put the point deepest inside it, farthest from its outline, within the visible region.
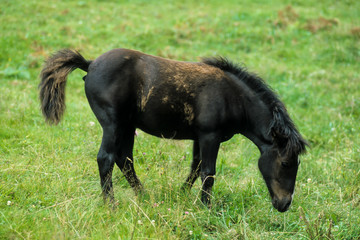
(285, 164)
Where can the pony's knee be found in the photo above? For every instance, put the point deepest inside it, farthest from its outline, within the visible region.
(105, 162)
(102, 157)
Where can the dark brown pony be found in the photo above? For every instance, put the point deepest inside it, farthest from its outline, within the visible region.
(207, 102)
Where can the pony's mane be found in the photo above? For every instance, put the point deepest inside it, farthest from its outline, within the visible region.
(281, 127)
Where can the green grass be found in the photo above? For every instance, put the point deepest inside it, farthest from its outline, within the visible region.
(309, 53)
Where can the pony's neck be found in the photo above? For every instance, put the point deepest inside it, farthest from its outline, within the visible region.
(263, 143)
(259, 117)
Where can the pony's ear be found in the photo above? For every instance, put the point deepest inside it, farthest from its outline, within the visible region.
(279, 129)
(289, 141)
(285, 134)
(279, 139)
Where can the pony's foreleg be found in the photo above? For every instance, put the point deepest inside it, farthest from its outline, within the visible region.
(195, 167)
(209, 147)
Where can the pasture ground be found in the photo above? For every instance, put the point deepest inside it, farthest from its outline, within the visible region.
(308, 51)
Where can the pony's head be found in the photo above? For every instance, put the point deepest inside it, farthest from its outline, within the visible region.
(279, 163)
(279, 172)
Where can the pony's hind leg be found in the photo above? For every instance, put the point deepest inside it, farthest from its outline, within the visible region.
(195, 167)
(106, 160)
(116, 147)
(125, 158)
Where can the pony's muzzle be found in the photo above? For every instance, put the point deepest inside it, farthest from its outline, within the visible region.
(283, 204)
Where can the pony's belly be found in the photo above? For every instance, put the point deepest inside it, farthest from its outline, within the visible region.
(172, 127)
(168, 134)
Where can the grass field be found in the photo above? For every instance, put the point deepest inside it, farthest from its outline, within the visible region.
(308, 51)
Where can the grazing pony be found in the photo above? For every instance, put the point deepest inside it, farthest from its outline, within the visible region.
(206, 101)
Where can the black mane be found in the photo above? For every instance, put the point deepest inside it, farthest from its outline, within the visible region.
(281, 127)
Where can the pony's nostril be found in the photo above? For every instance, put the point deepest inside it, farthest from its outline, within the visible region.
(281, 205)
(275, 203)
(287, 205)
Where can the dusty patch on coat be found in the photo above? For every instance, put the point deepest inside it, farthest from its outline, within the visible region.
(165, 99)
(145, 98)
(189, 112)
(187, 76)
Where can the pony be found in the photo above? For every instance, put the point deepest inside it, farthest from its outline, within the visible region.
(207, 102)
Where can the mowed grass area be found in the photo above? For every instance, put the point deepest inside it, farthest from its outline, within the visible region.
(308, 52)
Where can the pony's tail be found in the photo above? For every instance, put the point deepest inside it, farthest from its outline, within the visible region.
(53, 81)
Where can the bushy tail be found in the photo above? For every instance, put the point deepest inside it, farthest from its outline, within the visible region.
(53, 82)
